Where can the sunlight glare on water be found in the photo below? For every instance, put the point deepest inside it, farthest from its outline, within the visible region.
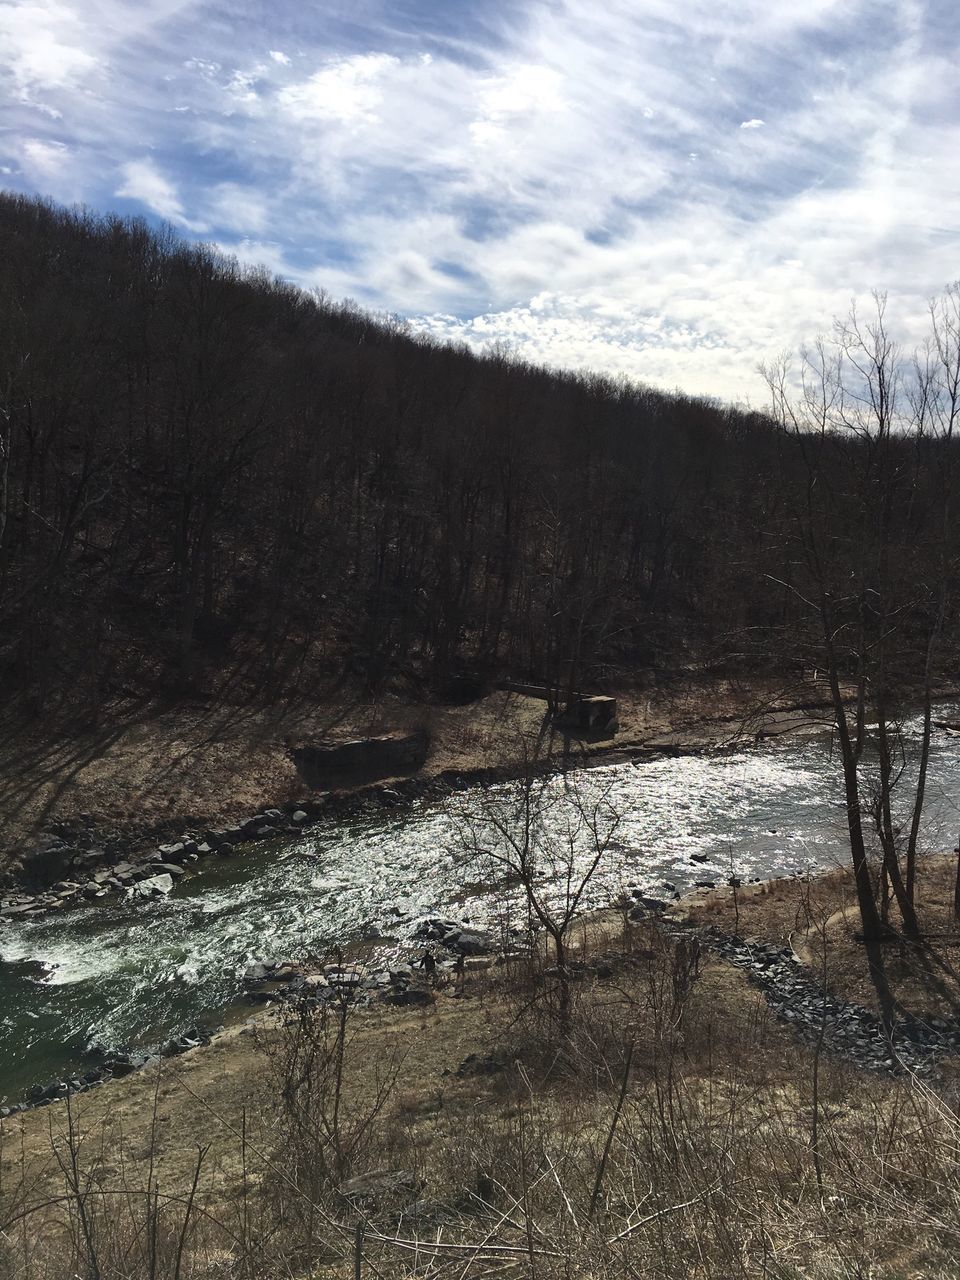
(139, 971)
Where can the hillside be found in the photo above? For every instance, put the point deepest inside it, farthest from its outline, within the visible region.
(212, 477)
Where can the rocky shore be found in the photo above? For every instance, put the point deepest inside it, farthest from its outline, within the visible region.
(69, 863)
(841, 1028)
(440, 950)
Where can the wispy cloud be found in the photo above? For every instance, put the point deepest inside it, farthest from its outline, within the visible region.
(143, 182)
(666, 194)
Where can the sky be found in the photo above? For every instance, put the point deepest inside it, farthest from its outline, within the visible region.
(668, 191)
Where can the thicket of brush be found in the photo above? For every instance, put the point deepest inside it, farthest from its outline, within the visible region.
(675, 1131)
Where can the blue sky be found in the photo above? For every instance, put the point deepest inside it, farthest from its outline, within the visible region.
(669, 191)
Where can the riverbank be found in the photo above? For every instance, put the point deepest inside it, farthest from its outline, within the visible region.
(711, 1114)
(148, 772)
(815, 918)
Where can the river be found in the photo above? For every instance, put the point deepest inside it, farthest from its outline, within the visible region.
(130, 971)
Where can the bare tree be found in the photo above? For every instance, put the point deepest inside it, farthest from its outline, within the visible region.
(545, 834)
(872, 595)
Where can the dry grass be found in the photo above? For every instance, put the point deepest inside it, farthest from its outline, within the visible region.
(676, 1134)
(917, 979)
(212, 762)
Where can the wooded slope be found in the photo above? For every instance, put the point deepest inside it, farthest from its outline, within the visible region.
(205, 468)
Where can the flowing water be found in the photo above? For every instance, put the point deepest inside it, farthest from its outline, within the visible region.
(129, 971)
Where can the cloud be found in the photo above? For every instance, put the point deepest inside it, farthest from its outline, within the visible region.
(347, 90)
(46, 159)
(41, 48)
(594, 184)
(233, 207)
(143, 182)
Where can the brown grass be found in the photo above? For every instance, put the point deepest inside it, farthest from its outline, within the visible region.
(210, 763)
(918, 979)
(673, 1135)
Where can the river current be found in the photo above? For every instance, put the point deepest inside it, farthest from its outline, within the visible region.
(132, 971)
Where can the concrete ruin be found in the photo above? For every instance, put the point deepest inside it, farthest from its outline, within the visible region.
(323, 765)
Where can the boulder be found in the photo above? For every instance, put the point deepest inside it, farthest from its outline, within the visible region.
(347, 975)
(155, 886)
(329, 764)
(416, 996)
(471, 942)
(169, 869)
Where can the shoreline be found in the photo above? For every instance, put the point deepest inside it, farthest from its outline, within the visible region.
(65, 849)
(708, 736)
(787, 979)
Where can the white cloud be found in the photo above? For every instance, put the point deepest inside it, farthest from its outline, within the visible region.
(41, 48)
(567, 176)
(143, 181)
(45, 159)
(204, 66)
(347, 90)
(234, 207)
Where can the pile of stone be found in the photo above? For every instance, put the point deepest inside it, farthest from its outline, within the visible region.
(95, 868)
(455, 937)
(845, 1030)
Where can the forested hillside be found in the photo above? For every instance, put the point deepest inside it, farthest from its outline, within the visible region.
(207, 469)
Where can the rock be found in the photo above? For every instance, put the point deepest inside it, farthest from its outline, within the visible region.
(154, 886)
(298, 817)
(348, 975)
(169, 868)
(411, 996)
(646, 902)
(471, 942)
(326, 764)
(123, 1064)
